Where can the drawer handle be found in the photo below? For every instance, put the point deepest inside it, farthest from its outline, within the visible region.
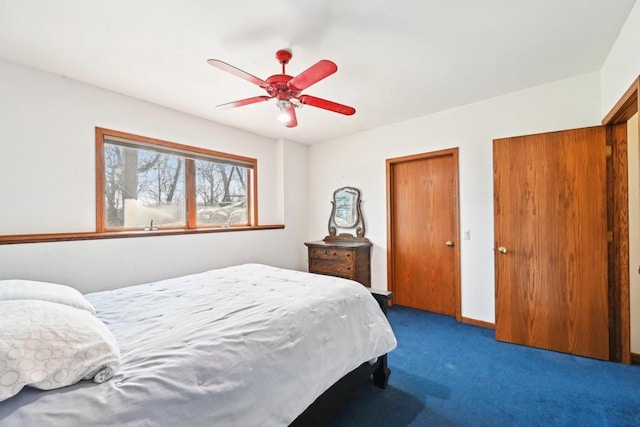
(334, 254)
(325, 252)
(348, 268)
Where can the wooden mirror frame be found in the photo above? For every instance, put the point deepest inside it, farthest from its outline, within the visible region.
(357, 224)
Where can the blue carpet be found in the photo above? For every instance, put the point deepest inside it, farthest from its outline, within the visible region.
(447, 373)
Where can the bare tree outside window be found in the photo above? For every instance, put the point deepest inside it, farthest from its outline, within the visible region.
(221, 193)
(143, 186)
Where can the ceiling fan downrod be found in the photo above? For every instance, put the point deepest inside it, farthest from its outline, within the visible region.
(284, 56)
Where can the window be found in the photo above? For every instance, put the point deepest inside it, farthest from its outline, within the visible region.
(147, 184)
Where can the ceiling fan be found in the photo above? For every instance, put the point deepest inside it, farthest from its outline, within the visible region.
(285, 89)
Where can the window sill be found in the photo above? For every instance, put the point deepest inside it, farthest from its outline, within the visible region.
(67, 237)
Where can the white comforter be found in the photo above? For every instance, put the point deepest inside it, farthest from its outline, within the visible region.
(248, 345)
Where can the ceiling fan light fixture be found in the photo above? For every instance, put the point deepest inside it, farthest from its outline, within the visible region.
(284, 116)
(283, 104)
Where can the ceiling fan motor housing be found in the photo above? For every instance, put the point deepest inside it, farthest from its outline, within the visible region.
(278, 87)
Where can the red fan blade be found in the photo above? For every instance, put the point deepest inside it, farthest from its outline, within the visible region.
(311, 75)
(327, 105)
(242, 102)
(293, 121)
(238, 72)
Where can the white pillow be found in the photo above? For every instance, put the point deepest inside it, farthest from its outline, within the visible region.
(47, 345)
(44, 291)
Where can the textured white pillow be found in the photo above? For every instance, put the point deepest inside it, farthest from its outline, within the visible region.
(47, 345)
(29, 289)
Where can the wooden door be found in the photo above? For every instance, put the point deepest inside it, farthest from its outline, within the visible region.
(423, 262)
(550, 212)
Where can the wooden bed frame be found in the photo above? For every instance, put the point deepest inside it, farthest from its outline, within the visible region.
(330, 402)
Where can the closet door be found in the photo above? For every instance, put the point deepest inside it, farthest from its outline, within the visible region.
(550, 212)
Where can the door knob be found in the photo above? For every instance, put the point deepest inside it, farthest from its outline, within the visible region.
(502, 250)
(449, 243)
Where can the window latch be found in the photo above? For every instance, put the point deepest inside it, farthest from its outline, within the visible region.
(150, 227)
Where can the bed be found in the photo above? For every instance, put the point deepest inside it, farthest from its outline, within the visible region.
(239, 346)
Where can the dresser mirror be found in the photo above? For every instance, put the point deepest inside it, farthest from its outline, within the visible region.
(346, 215)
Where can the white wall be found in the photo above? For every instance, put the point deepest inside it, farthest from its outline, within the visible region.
(622, 65)
(619, 71)
(47, 182)
(295, 172)
(359, 161)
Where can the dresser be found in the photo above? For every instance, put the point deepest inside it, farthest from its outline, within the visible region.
(347, 259)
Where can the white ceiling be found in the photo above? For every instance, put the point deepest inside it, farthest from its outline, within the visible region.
(396, 59)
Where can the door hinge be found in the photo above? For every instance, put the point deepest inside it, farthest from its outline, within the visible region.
(609, 151)
(609, 236)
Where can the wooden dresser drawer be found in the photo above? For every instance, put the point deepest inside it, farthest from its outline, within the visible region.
(331, 253)
(350, 260)
(334, 268)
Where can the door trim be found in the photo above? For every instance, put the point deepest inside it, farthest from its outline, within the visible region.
(625, 108)
(390, 163)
